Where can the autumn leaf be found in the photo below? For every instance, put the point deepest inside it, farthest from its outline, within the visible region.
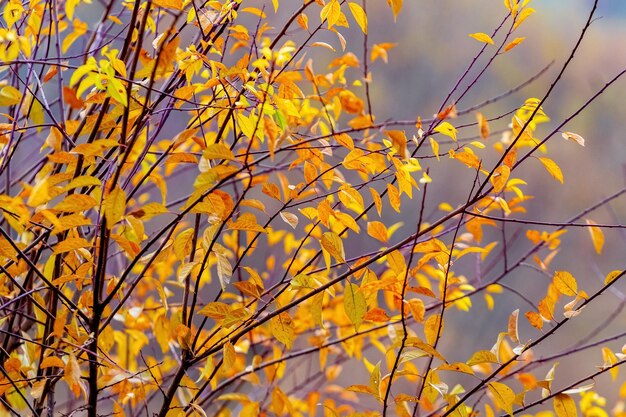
(359, 15)
(574, 137)
(378, 231)
(72, 375)
(482, 356)
(481, 37)
(70, 244)
(332, 243)
(283, 329)
(513, 43)
(433, 328)
(331, 13)
(552, 168)
(597, 236)
(500, 177)
(564, 406)
(503, 396)
(354, 304)
(114, 206)
(396, 6)
(447, 129)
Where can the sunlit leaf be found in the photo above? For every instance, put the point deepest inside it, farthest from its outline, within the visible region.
(597, 236)
(564, 406)
(481, 37)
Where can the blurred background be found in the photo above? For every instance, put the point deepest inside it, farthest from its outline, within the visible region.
(433, 51)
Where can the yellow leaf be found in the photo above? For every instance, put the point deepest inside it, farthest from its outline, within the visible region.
(76, 202)
(354, 304)
(359, 15)
(482, 356)
(394, 197)
(416, 305)
(40, 194)
(332, 243)
(114, 206)
(34, 110)
(467, 157)
(456, 367)
(52, 361)
(229, 355)
(447, 129)
(565, 283)
(170, 4)
(71, 374)
(503, 396)
(347, 221)
(282, 329)
(247, 222)
(483, 126)
(380, 51)
(396, 262)
(610, 359)
(9, 95)
(377, 201)
(398, 141)
(344, 140)
(500, 177)
(435, 147)
(80, 28)
(481, 37)
(597, 236)
(183, 244)
(324, 45)
(564, 406)
(331, 12)
(271, 190)
(215, 310)
(71, 244)
(513, 44)
(396, 6)
(433, 328)
(552, 168)
(546, 307)
(523, 15)
(612, 276)
(218, 151)
(378, 231)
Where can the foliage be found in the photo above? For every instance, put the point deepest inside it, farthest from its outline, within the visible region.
(205, 224)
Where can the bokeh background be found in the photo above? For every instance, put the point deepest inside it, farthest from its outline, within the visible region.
(433, 50)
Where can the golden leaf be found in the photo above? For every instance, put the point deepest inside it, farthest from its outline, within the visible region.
(597, 236)
(565, 283)
(359, 15)
(332, 243)
(114, 206)
(481, 37)
(552, 168)
(378, 231)
(564, 406)
(503, 396)
(354, 304)
(282, 329)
